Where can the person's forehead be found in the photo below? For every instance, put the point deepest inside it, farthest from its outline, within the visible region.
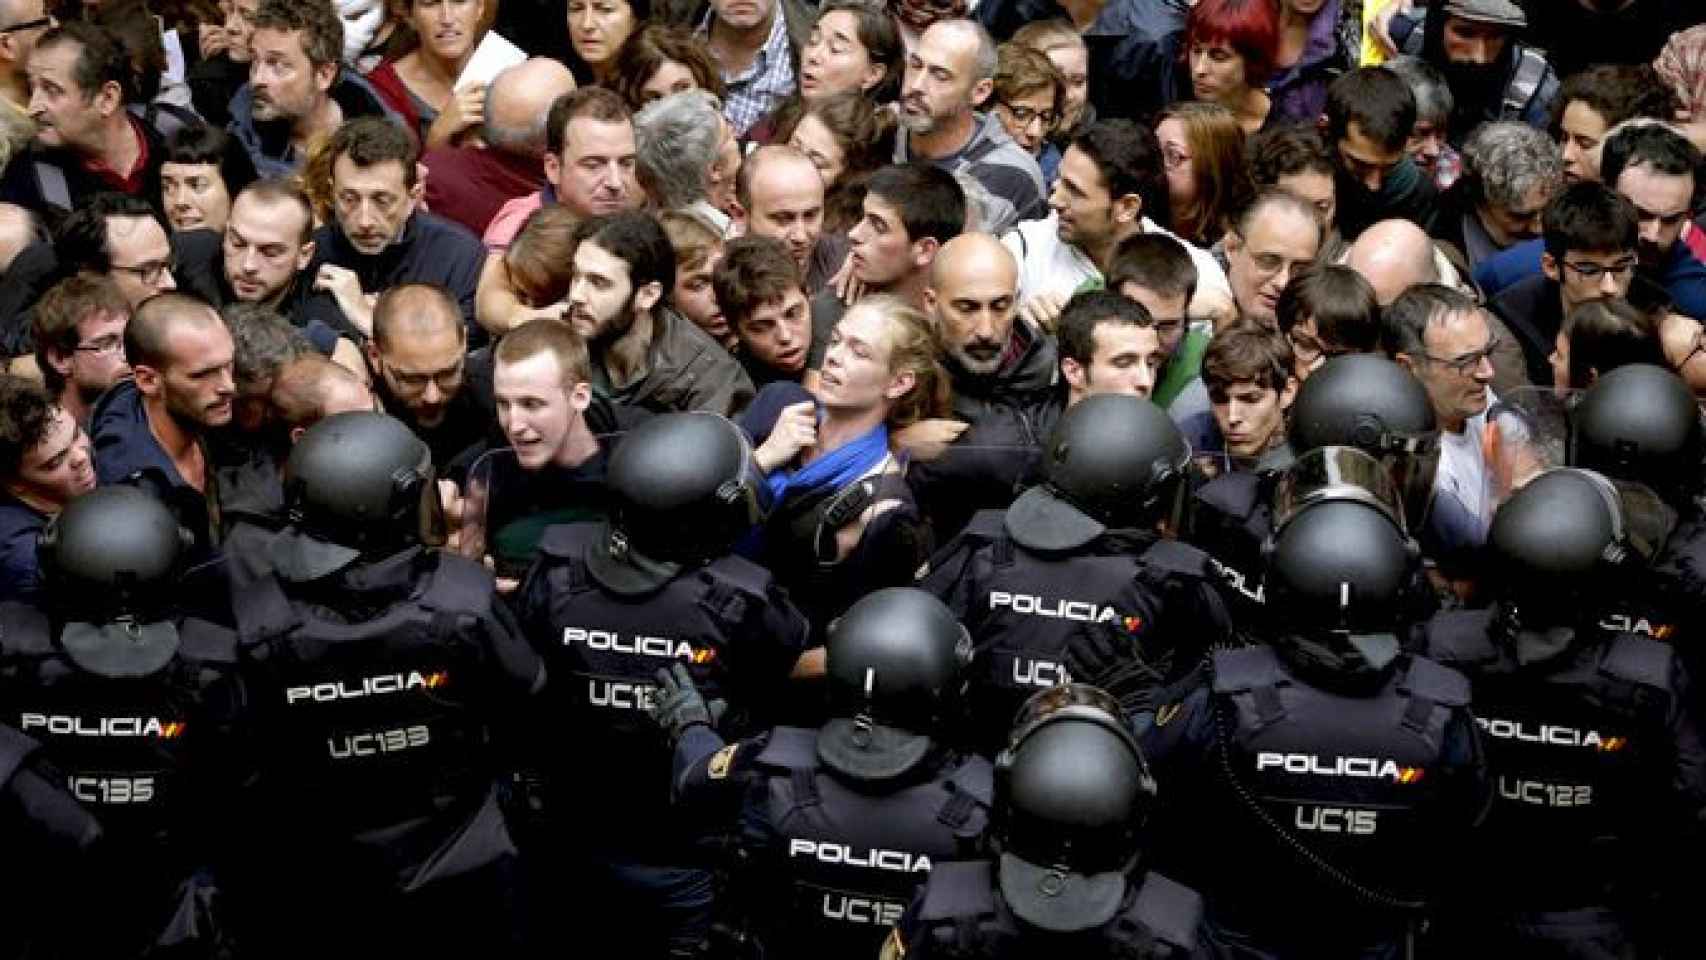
(137, 234)
(277, 40)
(592, 258)
(787, 183)
(1113, 337)
(1068, 58)
(1281, 229)
(1312, 184)
(262, 220)
(840, 24)
(99, 321)
(59, 433)
(589, 135)
(197, 342)
(538, 373)
(1081, 169)
(1154, 301)
(1362, 147)
(1644, 186)
(881, 207)
(977, 278)
(425, 346)
(1039, 98)
(384, 175)
(1601, 257)
(865, 325)
(1582, 118)
(187, 170)
(947, 47)
(1458, 332)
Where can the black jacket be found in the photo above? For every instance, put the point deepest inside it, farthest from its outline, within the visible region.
(1533, 309)
(430, 250)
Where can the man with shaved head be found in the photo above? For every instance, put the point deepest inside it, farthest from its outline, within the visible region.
(780, 194)
(1003, 372)
(153, 428)
(471, 182)
(948, 73)
(418, 357)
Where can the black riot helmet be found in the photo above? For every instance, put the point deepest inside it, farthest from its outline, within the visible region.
(1562, 539)
(109, 563)
(895, 663)
(357, 485)
(1339, 562)
(1366, 401)
(1640, 423)
(1072, 791)
(685, 489)
(1113, 461)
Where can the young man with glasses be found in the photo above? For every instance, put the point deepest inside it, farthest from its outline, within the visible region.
(79, 335)
(1590, 235)
(123, 239)
(418, 356)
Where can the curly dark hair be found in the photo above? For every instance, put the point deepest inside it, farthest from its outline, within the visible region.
(26, 415)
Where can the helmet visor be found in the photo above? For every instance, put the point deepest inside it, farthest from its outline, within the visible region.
(1338, 473)
(1525, 436)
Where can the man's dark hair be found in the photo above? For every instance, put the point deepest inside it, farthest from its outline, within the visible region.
(1607, 334)
(1404, 324)
(1651, 145)
(1340, 302)
(81, 242)
(27, 413)
(1090, 309)
(592, 103)
(1129, 159)
(146, 336)
(1247, 352)
(262, 342)
(1285, 151)
(101, 59)
(1377, 100)
(282, 189)
(322, 28)
(1589, 217)
(754, 271)
(369, 141)
(1153, 261)
(201, 143)
(929, 199)
(1616, 92)
(637, 240)
(61, 308)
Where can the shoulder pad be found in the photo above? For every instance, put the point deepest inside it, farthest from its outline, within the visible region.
(1246, 668)
(1234, 494)
(1169, 910)
(1437, 682)
(1461, 636)
(742, 574)
(263, 611)
(790, 748)
(959, 888)
(986, 525)
(1171, 556)
(24, 631)
(568, 541)
(459, 584)
(975, 777)
(15, 749)
(207, 642)
(1639, 659)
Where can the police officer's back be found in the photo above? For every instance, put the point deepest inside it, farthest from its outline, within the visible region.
(48, 837)
(1335, 770)
(377, 669)
(1065, 874)
(115, 683)
(1591, 743)
(1081, 551)
(608, 604)
(837, 826)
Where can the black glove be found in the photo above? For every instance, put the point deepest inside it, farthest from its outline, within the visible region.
(1105, 657)
(679, 704)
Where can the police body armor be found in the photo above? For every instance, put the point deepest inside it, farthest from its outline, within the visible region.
(961, 916)
(374, 732)
(855, 853)
(1021, 605)
(1345, 786)
(1578, 748)
(603, 651)
(1230, 517)
(48, 836)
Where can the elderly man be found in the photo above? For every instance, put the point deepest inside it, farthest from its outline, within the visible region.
(1510, 171)
(950, 72)
(470, 183)
(676, 140)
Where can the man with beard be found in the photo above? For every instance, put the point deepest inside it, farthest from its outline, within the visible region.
(644, 354)
(378, 238)
(1492, 75)
(421, 372)
(1370, 113)
(79, 334)
(948, 73)
(298, 89)
(153, 428)
(45, 462)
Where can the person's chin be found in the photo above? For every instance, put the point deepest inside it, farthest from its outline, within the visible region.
(217, 415)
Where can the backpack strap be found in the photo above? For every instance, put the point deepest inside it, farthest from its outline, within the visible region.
(1256, 671)
(1525, 82)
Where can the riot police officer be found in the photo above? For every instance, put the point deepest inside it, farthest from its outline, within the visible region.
(380, 671)
(48, 837)
(1332, 767)
(1083, 550)
(115, 683)
(1358, 400)
(609, 603)
(837, 826)
(1068, 877)
(1591, 743)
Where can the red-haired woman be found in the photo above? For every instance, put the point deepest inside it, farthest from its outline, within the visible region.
(1230, 47)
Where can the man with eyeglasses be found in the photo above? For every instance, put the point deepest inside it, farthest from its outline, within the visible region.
(21, 25)
(418, 355)
(1158, 272)
(1443, 337)
(120, 238)
(1276, 236)
(79, 336)
(1590, 235)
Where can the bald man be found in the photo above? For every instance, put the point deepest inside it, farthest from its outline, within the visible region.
(1395, 255)
(471, 182)
(780, 195)
(421, 370)
(1004, 376)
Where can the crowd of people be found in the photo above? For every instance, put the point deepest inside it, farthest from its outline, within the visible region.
(746, 478)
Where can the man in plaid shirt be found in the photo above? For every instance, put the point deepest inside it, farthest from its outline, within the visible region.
(751, 41)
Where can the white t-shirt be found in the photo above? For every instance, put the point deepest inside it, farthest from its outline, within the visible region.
(1046, 265)
(1463, 476)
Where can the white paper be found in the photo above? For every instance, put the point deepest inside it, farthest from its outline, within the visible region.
(493, 56)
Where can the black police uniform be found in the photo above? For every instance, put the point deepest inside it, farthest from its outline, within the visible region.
(48, 837)
(738, 635)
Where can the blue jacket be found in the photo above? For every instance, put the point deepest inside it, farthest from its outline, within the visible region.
(431, 249)
(1683, 276)
(268, 143)
(20, 575)
(126, 452)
